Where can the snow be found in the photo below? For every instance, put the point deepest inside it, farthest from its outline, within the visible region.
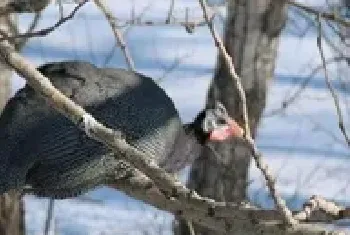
(302, 145)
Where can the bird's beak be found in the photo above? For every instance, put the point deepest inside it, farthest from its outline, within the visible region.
(226, 131)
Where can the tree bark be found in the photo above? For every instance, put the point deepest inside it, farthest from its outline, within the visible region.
(11, 205)
(5, 84)
(6, 72)
(251, 38)
(11, 214)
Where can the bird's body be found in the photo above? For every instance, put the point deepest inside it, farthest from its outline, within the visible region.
(41, 148)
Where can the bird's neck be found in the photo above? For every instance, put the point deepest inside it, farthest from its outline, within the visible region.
(195, 134)
(186, 149)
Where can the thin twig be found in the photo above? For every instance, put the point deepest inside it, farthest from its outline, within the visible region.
(49, 216)
(127, 30)
(118, 35)
(190, 227)
(271, 183)
(329, 16)
(170, 12)
(280, 203)
(330, 40)
(229, 64)
(8, 7)
(44, 32)
(135, 20)
(321, 128)
(329, 84)
(292, 98)
(150, 23)
(60, 8)
(21, 42)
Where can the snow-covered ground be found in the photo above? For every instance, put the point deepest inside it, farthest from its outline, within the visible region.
(302, 145)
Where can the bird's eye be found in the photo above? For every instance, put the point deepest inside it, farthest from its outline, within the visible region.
(221, 121)
(209, 123)
(220, 110)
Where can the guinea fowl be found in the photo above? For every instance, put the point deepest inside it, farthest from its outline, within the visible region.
(43, 149)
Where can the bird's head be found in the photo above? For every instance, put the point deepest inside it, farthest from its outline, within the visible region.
(214, 124)
(219, 125)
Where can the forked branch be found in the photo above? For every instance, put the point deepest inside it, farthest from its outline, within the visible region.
(118, 35)
(329, 84)
(326, 15)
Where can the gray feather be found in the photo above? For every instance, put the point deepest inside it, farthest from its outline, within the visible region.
(40, 147)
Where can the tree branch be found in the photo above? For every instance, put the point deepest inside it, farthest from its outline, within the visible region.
(170, 12)
(329, 84)
(318, 203)
(22, 41)
(288, 101)
(46, 31)
(329, 16)
(49, 216)
(118, 35)
(224, 217)
(20, 6)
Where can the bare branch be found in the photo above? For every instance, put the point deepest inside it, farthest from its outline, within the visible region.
(228, 60)
(194, 23)
(329, 84)
(46, 31)
(49, 216)
(136, 19)
(318, 203)
(329, 16)
(18, 6)
(292, 98)
(170, 12)
(329, 40)
(21, 42)
(126, 31)
(118, 35)
(224, 217)
(280, 203)
(60, 8)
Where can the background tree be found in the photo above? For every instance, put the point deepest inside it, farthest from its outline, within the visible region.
(11, 206)
(252, 32)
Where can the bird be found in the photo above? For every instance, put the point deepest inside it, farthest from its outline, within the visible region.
(42, 149)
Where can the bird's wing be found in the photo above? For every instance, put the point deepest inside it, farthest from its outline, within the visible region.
(49, 152)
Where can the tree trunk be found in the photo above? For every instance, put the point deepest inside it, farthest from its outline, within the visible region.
(11, 205)
(251, 38)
